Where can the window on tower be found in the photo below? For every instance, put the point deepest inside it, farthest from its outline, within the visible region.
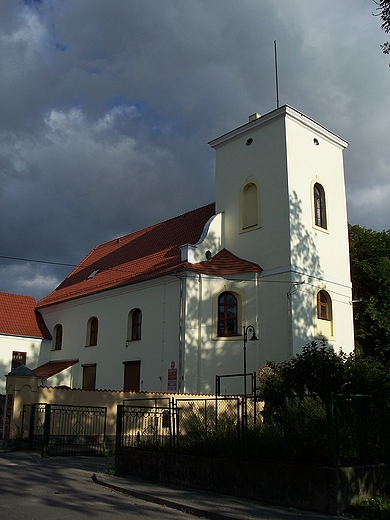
(319, 206)
(249, 204)
(324, 326)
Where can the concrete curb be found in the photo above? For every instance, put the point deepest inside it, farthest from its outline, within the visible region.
(163, 502)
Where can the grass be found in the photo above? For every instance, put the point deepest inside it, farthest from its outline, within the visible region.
(376, 508)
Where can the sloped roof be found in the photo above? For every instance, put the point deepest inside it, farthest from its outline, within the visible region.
(223, 264)
(19, 317)
(144, 254)
(54, 367)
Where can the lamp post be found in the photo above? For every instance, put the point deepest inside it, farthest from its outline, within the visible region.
(250, 329)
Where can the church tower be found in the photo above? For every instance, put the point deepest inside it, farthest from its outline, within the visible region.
(280, 188)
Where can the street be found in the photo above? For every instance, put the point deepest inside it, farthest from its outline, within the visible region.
(32, 488)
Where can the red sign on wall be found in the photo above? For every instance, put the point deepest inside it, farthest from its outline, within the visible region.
(172, 378)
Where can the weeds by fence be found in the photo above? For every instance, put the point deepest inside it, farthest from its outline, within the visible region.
(336, 429)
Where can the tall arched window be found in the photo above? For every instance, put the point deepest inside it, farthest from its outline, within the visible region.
(250, 217)
(93, 326)
(57, 337)
(134, 325)
(324, 306)
(227, 314)
(319, 206)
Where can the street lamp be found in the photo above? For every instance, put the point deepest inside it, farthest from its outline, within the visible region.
(250, 329)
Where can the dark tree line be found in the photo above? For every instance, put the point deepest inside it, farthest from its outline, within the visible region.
(370, 273)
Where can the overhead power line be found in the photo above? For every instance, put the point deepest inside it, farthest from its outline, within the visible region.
(36, 261)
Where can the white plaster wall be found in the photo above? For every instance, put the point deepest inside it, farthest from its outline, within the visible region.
(159, 301)
(322, 256)
(286, 163)
(324, 251)
(265, 161)
(37, 351)
(207, 355)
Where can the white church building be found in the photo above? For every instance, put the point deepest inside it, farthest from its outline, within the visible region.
(166, 308)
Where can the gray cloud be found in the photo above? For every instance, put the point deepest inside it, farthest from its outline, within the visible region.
(107, 108)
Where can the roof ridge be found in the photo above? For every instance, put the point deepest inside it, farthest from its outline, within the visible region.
(113, 240)
(3, 293)
(142, 254)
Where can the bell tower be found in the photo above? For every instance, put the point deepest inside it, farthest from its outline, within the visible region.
(280, 188)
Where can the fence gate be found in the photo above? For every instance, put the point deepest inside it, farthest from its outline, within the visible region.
(146, 426)
(179, 424)
(65, 429)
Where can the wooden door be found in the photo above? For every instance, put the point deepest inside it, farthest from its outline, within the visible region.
(132, 376)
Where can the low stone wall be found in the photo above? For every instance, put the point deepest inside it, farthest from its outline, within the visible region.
(24, 390)
(320, 489)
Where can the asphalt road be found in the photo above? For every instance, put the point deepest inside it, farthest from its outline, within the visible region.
(32, 488)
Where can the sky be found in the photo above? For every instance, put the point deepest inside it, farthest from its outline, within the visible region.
(107, 106)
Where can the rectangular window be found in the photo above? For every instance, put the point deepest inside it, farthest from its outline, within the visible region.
(132, 376)
(18, 358)
(89, 377)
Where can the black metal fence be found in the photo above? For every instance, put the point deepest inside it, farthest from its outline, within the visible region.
(149, 424)
(64, 429)
(333, 430)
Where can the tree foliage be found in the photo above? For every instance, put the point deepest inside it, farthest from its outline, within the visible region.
(320, 370)
(383, 10)
(370, 273)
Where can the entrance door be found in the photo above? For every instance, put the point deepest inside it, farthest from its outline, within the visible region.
(132, 376)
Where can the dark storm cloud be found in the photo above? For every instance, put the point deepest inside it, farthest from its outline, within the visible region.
(107, 107)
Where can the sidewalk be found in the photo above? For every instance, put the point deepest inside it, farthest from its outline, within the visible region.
(201, 503)
(197, 503)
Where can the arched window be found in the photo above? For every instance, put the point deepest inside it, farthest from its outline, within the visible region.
(324, 306)
(249, 206)
(319, 206)
(93, 326)
(57, 337)
(227, 314)
(134, 325)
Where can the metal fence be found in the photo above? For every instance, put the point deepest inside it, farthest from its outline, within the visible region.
(64, 429)
(147, 425)
(333, 430)
(185, 425)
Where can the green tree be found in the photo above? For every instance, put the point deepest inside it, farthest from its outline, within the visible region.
(383, 10)
(370, 273)
(320, 370)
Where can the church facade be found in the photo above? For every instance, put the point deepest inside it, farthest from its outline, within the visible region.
(169, 307)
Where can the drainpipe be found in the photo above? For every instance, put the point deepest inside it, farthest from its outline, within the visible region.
(181, 336)
(199, 353)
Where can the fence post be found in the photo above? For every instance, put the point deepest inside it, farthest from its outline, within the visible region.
(31, 425)
(333, 430)
(173, 424)
(337, 430)
(244, 423)
(118, 434)
(46, 430)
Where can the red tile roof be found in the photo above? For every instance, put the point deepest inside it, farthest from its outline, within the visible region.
(147, 253)
(54, 367)
(223, 264)
(19, 317)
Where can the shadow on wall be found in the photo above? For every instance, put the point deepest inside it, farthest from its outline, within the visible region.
(217, 357)
(300, 299)
(306, 257)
